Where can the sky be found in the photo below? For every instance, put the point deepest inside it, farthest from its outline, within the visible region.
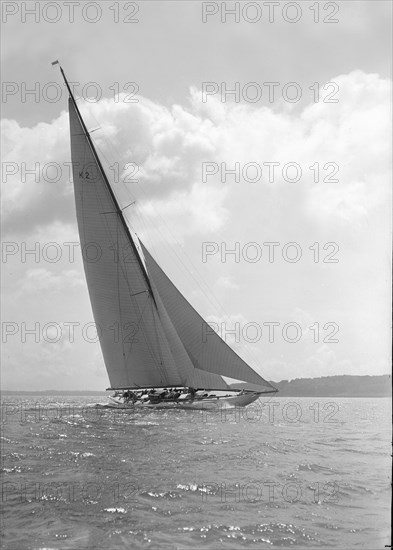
(306, 289)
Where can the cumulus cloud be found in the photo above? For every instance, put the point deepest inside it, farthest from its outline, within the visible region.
(36, 180)
(170, 144)
(45, 281)
(226, 282)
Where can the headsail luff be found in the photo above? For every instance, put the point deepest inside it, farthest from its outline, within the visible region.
(193, 376)
(208, 352)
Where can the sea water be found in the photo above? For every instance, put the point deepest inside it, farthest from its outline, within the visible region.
(289, 472)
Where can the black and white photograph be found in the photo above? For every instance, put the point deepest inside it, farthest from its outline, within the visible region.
(196, 261)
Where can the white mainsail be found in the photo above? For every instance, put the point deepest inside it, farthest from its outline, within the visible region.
(133, 342)
(150, 335)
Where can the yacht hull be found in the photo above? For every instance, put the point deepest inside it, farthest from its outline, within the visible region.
(201, 403)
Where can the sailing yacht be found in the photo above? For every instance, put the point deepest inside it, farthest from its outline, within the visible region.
(150, 335)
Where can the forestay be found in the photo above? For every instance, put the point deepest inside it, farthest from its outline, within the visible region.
(207, 351)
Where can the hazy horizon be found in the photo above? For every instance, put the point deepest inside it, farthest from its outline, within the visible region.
(105, 390)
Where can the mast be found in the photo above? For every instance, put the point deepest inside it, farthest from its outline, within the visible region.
(119, 211)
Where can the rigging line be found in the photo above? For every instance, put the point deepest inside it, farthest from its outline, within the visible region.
(137, 293)
(233, 352)
(249, 355)
(130, 204)
(238, 352)
(244, 350)
(210, 296)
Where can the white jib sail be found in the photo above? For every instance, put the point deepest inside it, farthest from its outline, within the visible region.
(207, 351)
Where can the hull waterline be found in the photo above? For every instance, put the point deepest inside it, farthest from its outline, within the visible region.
(197, 404)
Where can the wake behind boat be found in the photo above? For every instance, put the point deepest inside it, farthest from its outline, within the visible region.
(150, 335)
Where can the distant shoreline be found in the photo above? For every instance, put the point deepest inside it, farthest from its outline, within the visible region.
(337, 386)
(326, 386)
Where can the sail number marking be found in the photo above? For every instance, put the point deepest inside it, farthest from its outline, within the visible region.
(89, 172)
(85, 175)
